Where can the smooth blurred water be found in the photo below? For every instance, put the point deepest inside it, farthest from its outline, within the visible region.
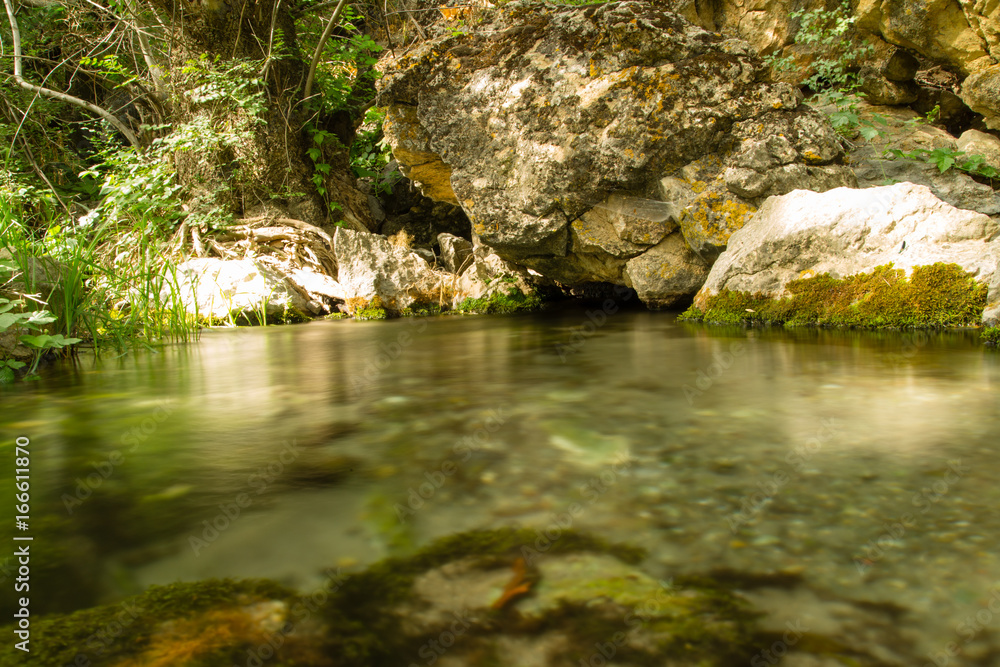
(849, 479)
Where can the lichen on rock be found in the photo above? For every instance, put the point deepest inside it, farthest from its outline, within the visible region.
(547, 117)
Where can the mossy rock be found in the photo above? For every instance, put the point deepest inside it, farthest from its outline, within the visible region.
(502, 303)
(509, 597)
(934, 296)
(206, 623)
(501, 597)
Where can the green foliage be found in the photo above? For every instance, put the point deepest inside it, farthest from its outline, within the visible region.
(936, 295)
(829, 35)
(235, 83)
(991, 336)
(346, 64)
(502, 303)
(60, 640)
(370, 152)
(373, 310)
(946, 159)
(40, 342)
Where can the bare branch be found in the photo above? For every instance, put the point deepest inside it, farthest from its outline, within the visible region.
(319, 46)
(54, 94)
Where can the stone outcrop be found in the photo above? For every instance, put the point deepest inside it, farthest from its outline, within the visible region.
(221, 289)
(844, 232)
(369, 266)
(901, 130)
(961, 35)
(554, 128)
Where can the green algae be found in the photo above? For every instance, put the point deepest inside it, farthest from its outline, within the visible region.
(934, 296)
(502, 303)
(104, 635)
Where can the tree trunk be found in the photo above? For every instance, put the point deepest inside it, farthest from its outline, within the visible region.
(255, 161)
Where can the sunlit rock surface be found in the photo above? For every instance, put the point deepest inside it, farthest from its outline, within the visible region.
(844, 232)
(545, 116)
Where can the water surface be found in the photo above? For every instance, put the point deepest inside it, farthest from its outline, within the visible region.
(848, 481)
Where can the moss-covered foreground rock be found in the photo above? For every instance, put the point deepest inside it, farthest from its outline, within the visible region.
(937, 295)
(507, 597)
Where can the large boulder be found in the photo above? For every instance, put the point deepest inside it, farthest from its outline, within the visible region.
(370, 267)
(553, 127)
(844, 232)
(228, 289)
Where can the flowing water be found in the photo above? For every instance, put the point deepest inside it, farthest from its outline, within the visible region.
(844, 481)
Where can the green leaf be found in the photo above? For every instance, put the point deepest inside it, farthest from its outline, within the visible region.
(868, 132)
(6, 375)
(40, 317)
(46, 341)
(7, 320)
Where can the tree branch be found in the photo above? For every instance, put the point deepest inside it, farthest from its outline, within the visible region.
(319, 46)
(54, 94)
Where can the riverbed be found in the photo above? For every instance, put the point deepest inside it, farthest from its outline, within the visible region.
(845, 481)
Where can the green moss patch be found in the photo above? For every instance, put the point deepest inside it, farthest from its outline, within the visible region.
(936, 295)
(502, 303)
(991, 336)
(104, 635)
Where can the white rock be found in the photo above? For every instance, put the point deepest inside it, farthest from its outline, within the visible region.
(222, 287)
(845, 231)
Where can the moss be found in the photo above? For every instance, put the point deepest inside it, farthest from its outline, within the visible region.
(363, 309)
(421, 310)
(692, 314)
(936, 295)
(113, 632)
(991, 336)
(502, 303)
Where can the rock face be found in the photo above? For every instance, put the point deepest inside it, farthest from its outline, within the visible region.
(554, 127)
(962, 35)
(902, 131)
(368, 266)
(844, 232)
